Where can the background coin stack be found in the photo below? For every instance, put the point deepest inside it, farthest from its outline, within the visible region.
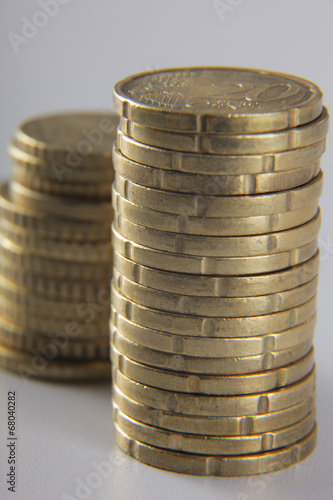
(215, 268)
(55, 245)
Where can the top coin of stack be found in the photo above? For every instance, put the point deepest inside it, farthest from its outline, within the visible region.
(55, 244)
(215, 233)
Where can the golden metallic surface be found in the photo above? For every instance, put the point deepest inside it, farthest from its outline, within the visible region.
(213, 445)
(217, 100)
(208, 365)
(61, 206)
(219, 266)
(186, 345)
(218, 185)
(204, 405)
(28, 261)
(227, 307)
(203, 465)
(58, 346)
(73, 139)
(260, 143)
(101, 191)
(213, 426)
(220, 206)
(46, 226)
(214, 286)
(217, 327)
(220, 246)
(211, 226)
(207, 164)
(63, 250)
(30, 365)
(214, 384)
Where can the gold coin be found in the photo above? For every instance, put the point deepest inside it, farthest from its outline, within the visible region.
(219, 185)
(220, 206)
(208, 366)
(180, 345)
(75, 140)
(218, 266)
(62, 250)
(47, 226)
(29, 180)
(57, 346)
(207, 164)
(213, 426)
(220, 246)
(245, 143)
(49, 287)
(20, 297)
(211, 226)
(217, 100)
(61, 206)
(211, 286)
(213, 384)
(213, 445)
(216, 406)
(196, 326)
(203, 465)
(33, 166)
(30, 365)
(227, 307)
(21, 259)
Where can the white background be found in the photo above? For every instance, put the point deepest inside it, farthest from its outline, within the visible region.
(73, 63)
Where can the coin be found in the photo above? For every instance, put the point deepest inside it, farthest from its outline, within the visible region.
(214, 384)
(246, 143)
(208, 366)
(60, 206)
(207, 164)
(216, 406)
(213, 426)
(73, 139)
(31, 365)
(220, 206)
(219, 266)
(220, 246)
(210, 346)
(227, 307)
(211, 226)
(204, 465)
(213, 445)
(64, 250)
(21, 259)
(216, 327)
(100, 191)
(200, 184)
(47, 226)
(214, 286)
(57, 346)
(217, 100)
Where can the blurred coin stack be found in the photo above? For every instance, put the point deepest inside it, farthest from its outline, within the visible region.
(55, 245)
(216, 268)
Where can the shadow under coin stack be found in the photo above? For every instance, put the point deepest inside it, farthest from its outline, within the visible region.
(217, 182)
(55, 246)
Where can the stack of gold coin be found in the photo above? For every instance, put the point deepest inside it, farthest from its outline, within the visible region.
(55, 245)
(216, 268)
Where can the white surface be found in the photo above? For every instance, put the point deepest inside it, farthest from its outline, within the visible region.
(73, 63)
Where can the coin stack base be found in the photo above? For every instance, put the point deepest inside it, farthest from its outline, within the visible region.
(216, 191)
(56, 252)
